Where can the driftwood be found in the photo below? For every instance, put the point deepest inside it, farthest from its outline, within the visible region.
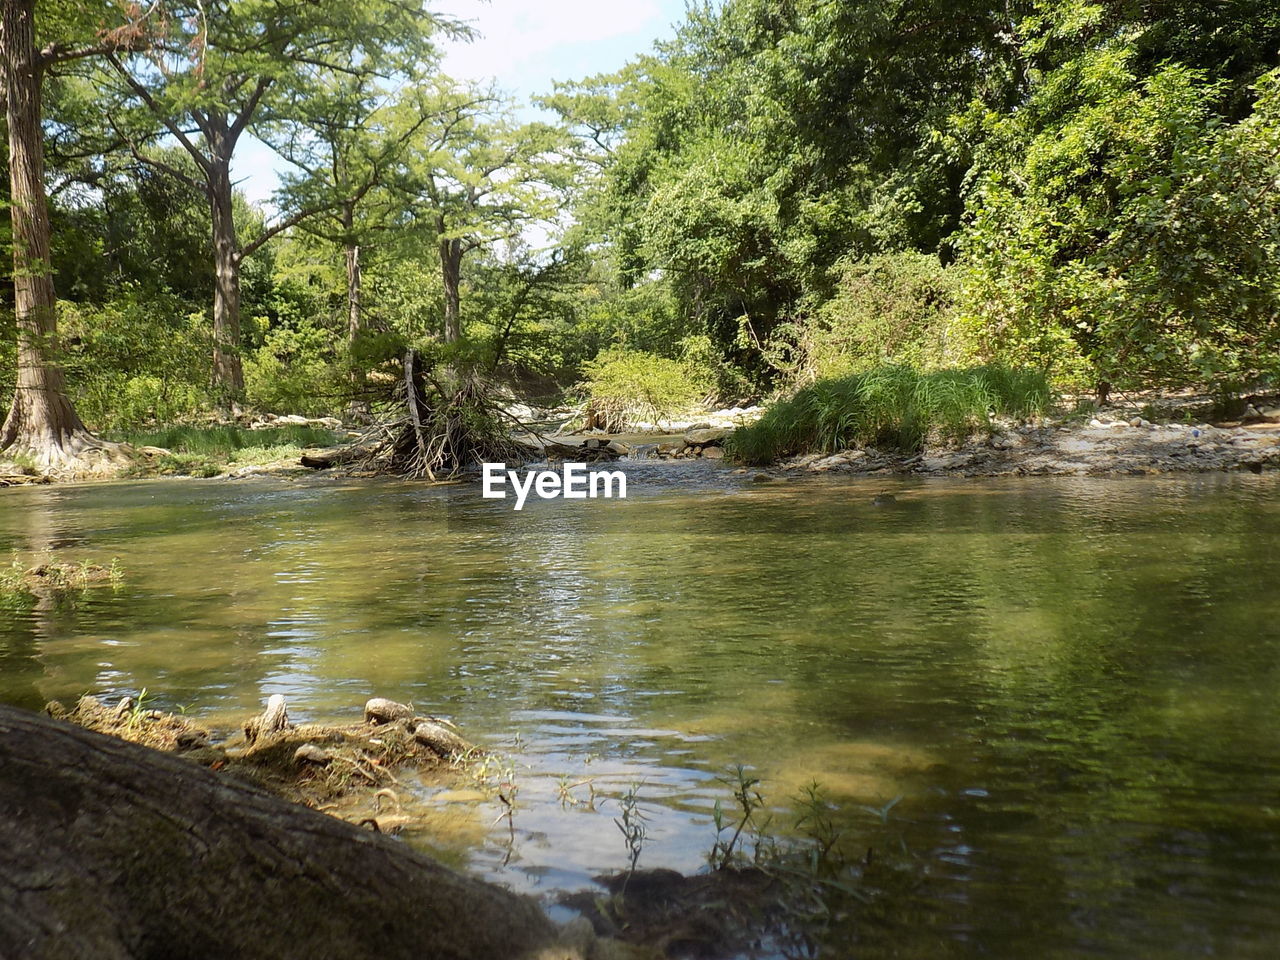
(334, 456)
(110, 850)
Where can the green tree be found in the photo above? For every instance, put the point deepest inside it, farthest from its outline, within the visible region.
(41, 422)
(215, 72)
(1123, 227)
(474, 177)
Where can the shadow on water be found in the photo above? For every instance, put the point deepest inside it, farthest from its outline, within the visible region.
(1070, 683)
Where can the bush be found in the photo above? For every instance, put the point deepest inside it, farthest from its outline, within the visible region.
(132, 361)
(624, 387)
(892, 407)
(894, 309)
(1124, 233)
(295, 372)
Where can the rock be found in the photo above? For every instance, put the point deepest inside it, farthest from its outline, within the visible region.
(382, 710)
(713, 453)
(669, 448)
(310, 753)
(704, 437)
(1135, 422)
(761, 478)
(616, 446)
(192, 739)
(644, 451)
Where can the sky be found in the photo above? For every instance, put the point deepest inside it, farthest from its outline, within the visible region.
(524, 45)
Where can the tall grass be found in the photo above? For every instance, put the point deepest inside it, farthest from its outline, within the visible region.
(895, 407)
(223, 440)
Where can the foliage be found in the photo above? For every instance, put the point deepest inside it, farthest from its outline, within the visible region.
(1125, 233)
(890, 309)
(625, 387)
(135, 359)
(295, 371)
(890, 406)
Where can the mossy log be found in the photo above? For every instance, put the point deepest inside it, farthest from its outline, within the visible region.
(112, 850)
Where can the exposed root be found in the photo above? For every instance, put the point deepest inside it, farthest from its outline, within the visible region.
(72, 456)
(343, 770)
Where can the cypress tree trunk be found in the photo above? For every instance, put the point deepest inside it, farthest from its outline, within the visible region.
(355, 315)
(42, 423)
(228, 373)
(112, 850)
(451, 274)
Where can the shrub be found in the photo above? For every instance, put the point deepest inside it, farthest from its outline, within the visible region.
(890, 406)
(707, 369)
(295, 372)
(893, 309)
(1124, 233)
(624, 387)
(132, 361)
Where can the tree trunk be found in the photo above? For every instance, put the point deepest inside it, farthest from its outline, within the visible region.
(359, 406)
(112, 850)
(41, 424)
(451, 273)
(228, 374)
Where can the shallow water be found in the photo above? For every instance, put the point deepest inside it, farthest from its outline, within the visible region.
(1072, 684)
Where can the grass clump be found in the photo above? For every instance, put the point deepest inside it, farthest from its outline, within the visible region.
(55, 578)
(208, 451)
(893, 407)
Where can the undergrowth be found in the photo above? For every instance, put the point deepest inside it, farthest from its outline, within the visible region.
(892, 407)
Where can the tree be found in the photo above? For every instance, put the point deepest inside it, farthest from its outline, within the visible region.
(345, 146)
(475, 177)
(1124, 224)
(217, 71)
(42, 423)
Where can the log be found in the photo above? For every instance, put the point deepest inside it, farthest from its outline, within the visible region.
(110, 850)
(335, 456)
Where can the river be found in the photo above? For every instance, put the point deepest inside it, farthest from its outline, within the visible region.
(1070, 687)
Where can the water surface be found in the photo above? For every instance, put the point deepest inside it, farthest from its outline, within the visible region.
(1072, 684)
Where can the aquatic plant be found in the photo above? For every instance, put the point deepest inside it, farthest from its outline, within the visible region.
(895, 407)
(749, 802)
(631, 822)
(56, 578)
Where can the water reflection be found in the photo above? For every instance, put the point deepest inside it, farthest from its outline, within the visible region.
(1070, 683)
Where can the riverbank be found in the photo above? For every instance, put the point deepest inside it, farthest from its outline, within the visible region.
(1099, 447)
(1110, 444)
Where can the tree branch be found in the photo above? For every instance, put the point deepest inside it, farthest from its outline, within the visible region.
(154, 107)
(250, 248)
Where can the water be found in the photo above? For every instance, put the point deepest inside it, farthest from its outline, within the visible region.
(1072, 684)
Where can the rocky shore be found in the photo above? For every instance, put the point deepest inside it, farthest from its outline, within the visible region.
(1099, 447)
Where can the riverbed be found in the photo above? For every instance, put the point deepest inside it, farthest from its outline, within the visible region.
(1055, 700)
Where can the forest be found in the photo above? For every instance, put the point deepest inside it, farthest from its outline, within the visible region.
(788, 192)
